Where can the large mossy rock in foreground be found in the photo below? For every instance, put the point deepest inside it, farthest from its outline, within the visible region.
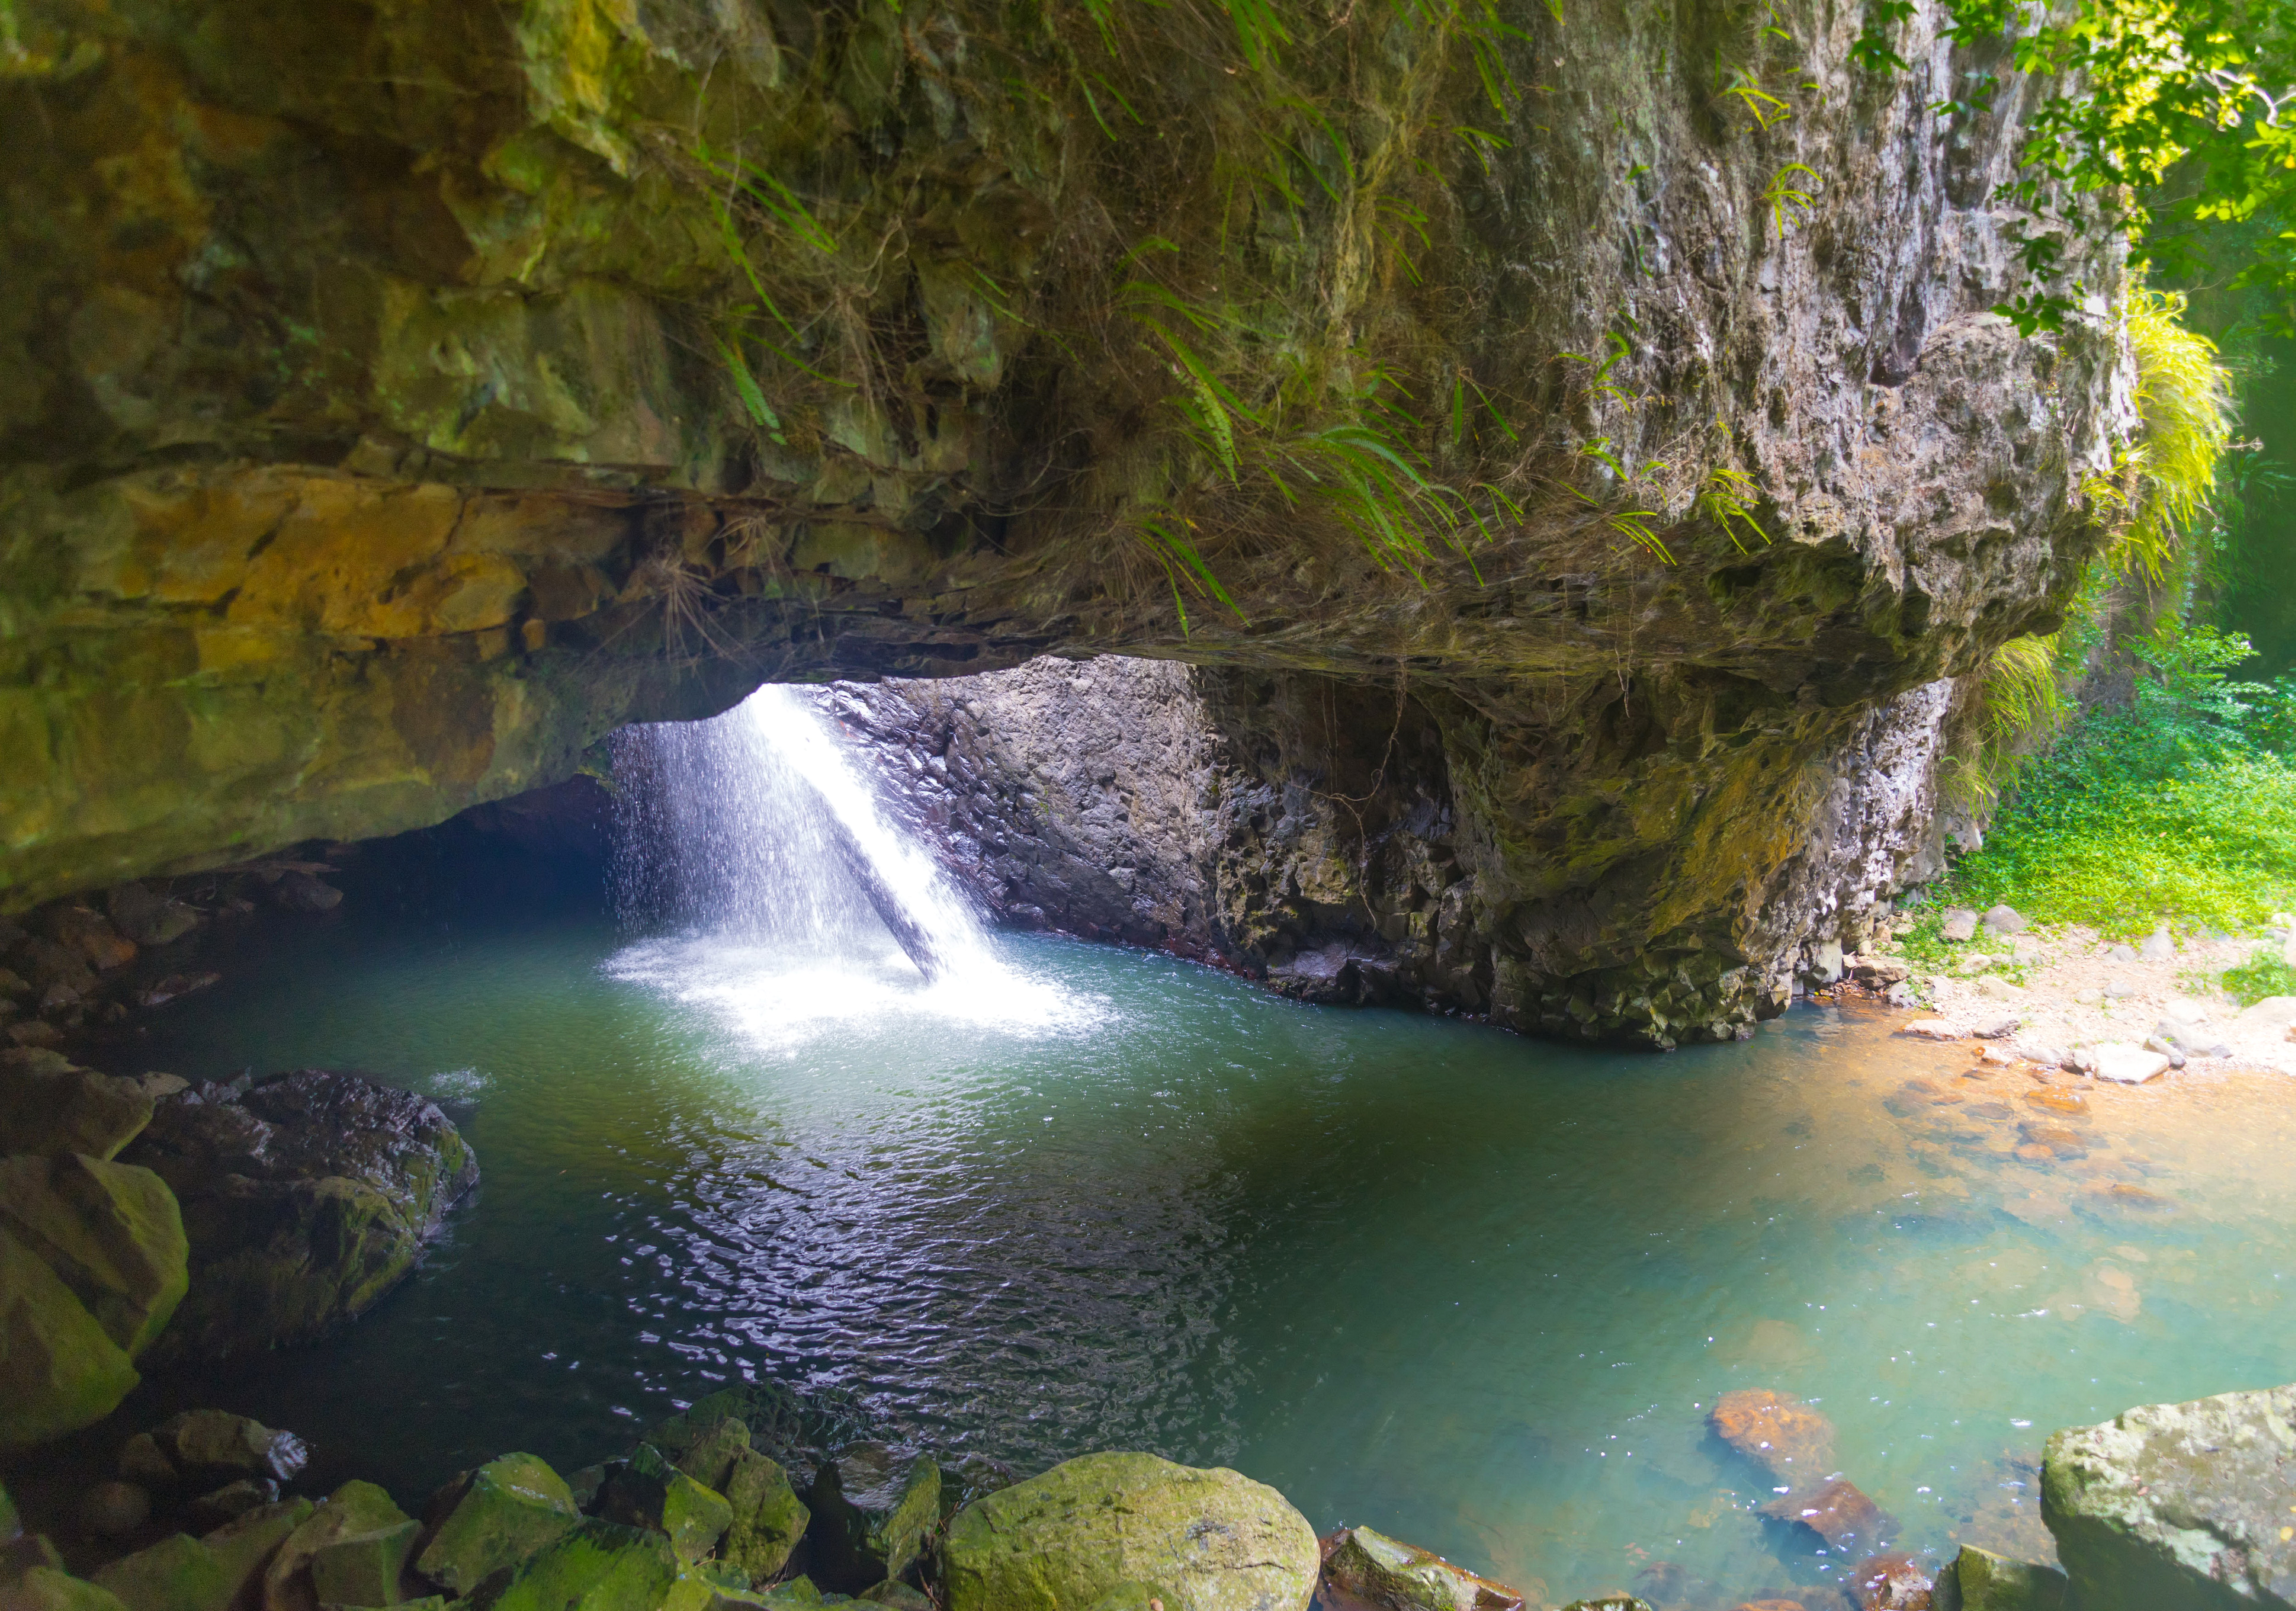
(305, 1200)
(2179, 1506)
(1203, 1540)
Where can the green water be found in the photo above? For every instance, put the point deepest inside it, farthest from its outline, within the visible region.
(1476, 1290)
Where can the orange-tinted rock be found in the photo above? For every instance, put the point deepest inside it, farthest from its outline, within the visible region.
(2059, 1101)
(1891, 1583)
(1836, 1510)
(1776, 1430)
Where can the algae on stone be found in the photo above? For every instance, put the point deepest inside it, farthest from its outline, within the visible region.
(177, 1574)
(2183, 1505)
(1210, 1540)
(649, 1491)
(595, 1566)
(364, 1569)
(52, 1588)
(353, 1509)
(111, 1231)
(1979, 1580)
(872, 1506)
(508, 1510)
(63, 1370)
(769, 1519)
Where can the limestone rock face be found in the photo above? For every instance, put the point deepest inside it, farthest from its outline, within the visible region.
(1206, 1540)
(2178, 1504)
(376, 435)
(305, 1200)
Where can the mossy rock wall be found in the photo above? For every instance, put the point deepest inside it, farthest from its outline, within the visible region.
(388, 412)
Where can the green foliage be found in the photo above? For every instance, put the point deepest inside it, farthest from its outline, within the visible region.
(2263, 975)
(2174, 120)
(2182, 807)
(1727, 500)
(2184, 396)
(1785, 196)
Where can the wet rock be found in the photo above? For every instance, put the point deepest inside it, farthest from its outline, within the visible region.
(1978, 1580)
(901, 1597)
(1371, 1566)
(1890, 1583)
(2056, 1100)
(872, 1506)
(1209, 1540)
(2126, 1065)
(162, 990)
(149, 918)
(1997, 1029)
(177, 1574)
(305, 1200)
(1836, 1511)
(141, 1460)
(46, 1587)
(354, 1508)
(63, 1371)
(1776, 1431)
(47, 964)
(649, 1491)
(2160, 946)
(1960, 924)
(1930, 1029)
(2121, 1194)
(50, 1107)
(214, 1444)
(364, 1569)
(2005, 920)
(768, 1518)
(2055, 1139)
(2177, 1504)
(1608, 1602)
(88, 934)
(113, 1509)
(111, 1232)
(295, 890)
(596, 1566)
(504, 1512)
(232, 1500)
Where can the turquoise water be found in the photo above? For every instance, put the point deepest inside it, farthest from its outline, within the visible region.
(1476, 1290)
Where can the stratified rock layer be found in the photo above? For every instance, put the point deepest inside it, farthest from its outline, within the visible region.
(2178, 1505)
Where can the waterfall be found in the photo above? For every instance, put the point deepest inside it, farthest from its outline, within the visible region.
(757, 828)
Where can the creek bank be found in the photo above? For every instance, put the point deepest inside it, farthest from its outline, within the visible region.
(754, 1499)
(149, 1220)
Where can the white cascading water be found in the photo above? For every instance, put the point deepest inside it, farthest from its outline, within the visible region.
(796, 902)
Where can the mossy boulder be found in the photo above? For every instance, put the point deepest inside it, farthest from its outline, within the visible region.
(53, 1108)
(305, 1200)
(111, 1231)
(52, 1588)
(872, 1506)
(1208, 1540)
(354, 1508)
(245, 1546)
(507, 1511)
(1978, 1580)
(769, 1519)
(649, 1491)
(2178, 1505)
(62, 1369)
(1387, 1572)
(596, 1566)
(364, 1569)
(177, 1574)
(217, 1446)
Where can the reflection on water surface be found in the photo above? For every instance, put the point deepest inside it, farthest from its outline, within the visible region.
(1477, 1290)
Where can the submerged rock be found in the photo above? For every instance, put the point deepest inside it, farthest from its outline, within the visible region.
(1890, 1583)
(305, 1200)
(1978, 1580)
(1836, 1511)
(1208, 1541)
(2173, 1505)
(872, 1506)
(1403, 1577)
(1776, 1431)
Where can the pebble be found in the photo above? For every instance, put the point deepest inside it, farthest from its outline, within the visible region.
(2117, 990)
(2160, 946)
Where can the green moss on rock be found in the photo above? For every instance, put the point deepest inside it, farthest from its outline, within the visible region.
(507, 1511)
(595, 1566)
(111, 1231)
(1209, 1541)
(62, 1369)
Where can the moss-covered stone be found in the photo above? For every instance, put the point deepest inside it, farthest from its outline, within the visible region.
(27, 1552)
(355, 1508)
(215, 1445)
(63, 1371)
(2184, 1505)
(49, 1106)
(507, 1511)
(595, 1566)
(364, 1569)
(245, 1546)
(1375, 1567)
(649, 1491)
(1210, 1540)
(111, 1231)
(1979, 1580)
(769, 1519)
(52, 1588)
(177, 1574)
